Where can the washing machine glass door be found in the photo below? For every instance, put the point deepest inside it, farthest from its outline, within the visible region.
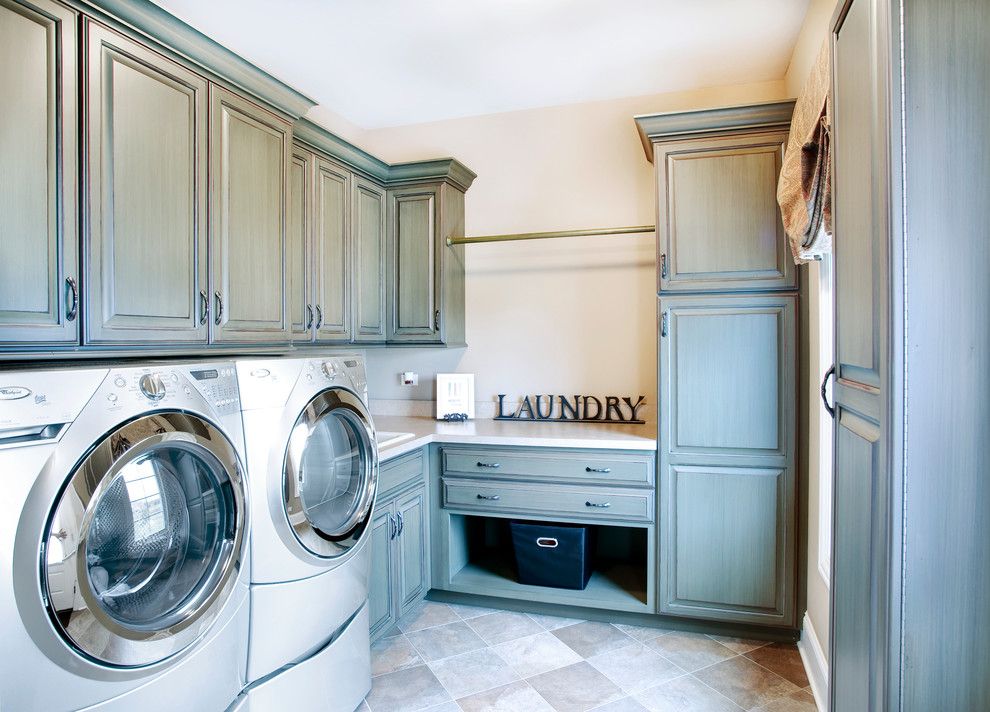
(330, 473)
(144, 543)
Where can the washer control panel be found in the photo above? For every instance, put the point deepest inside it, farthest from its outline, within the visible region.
(171, 386)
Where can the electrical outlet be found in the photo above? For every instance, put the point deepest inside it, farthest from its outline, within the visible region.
(409, 378)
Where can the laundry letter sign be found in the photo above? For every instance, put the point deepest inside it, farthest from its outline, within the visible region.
(576, 409)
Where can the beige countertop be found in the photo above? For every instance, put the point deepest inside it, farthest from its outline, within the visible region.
(426, 430)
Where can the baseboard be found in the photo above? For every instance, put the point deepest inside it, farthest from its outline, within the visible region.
(813, 658)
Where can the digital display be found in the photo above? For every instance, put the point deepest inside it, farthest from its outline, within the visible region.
(205, 375)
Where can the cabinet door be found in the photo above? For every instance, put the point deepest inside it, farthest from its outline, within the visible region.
(368, 240)
(250, 149)
(719, 226)
(727, 453)
(413, 549)
(414, 297)
(38, 176)
(381, 612)
(332, 252)
(299, 240)
(147, 146)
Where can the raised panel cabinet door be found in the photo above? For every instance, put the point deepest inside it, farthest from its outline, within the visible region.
(719, 226)
(368, 233)
(332, 252)
(727, 546)
(727, 379)
(146, 133)
(299, 242)
(381, 591)
(250, 151)
(413, 289)
(413, 548)
(39, 250)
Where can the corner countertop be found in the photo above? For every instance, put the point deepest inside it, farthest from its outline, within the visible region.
(426, 430)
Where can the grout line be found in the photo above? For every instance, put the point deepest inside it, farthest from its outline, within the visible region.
(718, 692)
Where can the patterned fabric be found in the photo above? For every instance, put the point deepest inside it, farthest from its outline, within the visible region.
(804, 190)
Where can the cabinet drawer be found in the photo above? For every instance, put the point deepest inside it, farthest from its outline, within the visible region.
(553, 500)
(401, 471)
(593, 467)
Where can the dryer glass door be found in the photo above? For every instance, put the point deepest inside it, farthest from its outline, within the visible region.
(331, 473)
(156, 514)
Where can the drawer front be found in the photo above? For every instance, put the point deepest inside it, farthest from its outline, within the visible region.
(623, 469)
(554, 500)
(400, 472)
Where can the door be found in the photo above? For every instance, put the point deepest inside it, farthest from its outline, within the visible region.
(156, 514)
(330, 474)
(250, 152)
(39, 249)
(331, 251)
(719, 226)
(860, 498)
(368, 239)
(299, 242)
(413, 554)
(413, 289)
(381, 612)
(727, 441)
(146, 129)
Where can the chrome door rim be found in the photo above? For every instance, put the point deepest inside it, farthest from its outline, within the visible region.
(321, 544)
(189, 621)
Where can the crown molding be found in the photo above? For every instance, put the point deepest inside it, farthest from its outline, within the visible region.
(654, 128)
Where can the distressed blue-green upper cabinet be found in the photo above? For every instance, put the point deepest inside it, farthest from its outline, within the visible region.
(38, 176)
(425, 282)
(250, 155)
(727, 439)
(368, 260)
(146, 133)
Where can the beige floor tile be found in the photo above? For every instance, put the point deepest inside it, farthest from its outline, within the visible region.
(499, 627)
(466, 674)
(553, 622)
(445, 640)
(592, 638)
(684, 694)
(427, 615)
(408, 690)
(576, 688)
(468, 612)
(626, 704)
(514, 697)
(640, 632)
(391, 654)
(784, 659)
(635, 667)
(739, 645)
(691, 651)
(744, 682)
(444, 707)
(536, 654)
(799, 701)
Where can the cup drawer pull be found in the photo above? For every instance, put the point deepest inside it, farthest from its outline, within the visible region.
(603, 470)
(492, 465)
(603, 505)
(545, 542)
(489, 497)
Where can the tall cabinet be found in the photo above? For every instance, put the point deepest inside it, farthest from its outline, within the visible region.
(39, 249)
(727, 367)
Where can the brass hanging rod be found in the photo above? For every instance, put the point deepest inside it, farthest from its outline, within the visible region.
(557, 233)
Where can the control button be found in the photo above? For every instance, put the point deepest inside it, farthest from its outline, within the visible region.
(112, 397)
(174, 376)
(152, 386)
(187, 391)
(261, 373)
(330, 369)
(119, 382)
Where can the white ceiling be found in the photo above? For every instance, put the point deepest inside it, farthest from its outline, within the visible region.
(384, 63)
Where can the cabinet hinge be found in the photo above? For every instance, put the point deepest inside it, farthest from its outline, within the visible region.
(436, 320)
(663, 324)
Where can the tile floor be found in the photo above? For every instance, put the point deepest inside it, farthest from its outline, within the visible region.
(452, 658)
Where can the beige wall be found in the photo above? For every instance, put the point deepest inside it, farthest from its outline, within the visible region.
(575, 315)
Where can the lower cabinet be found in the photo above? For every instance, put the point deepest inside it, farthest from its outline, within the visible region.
(399, 549)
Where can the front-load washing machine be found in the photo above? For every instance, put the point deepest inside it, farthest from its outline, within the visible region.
(123, 539)
(313, 468)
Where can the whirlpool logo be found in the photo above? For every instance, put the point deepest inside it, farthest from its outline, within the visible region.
(9, 393)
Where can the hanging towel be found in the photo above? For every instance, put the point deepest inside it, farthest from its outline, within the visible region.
(804, 190)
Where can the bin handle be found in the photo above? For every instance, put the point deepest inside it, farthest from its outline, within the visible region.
(603, 505)
(492, 497)
(546, 542)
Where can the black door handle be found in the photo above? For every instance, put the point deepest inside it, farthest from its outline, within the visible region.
(828, 374)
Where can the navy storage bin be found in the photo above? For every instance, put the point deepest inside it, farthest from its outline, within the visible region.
(557, 555)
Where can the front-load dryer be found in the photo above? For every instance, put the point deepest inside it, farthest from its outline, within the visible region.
(313, 468)
(124, 582)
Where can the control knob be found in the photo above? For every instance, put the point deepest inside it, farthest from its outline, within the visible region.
(330, 369)
(152, 386)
